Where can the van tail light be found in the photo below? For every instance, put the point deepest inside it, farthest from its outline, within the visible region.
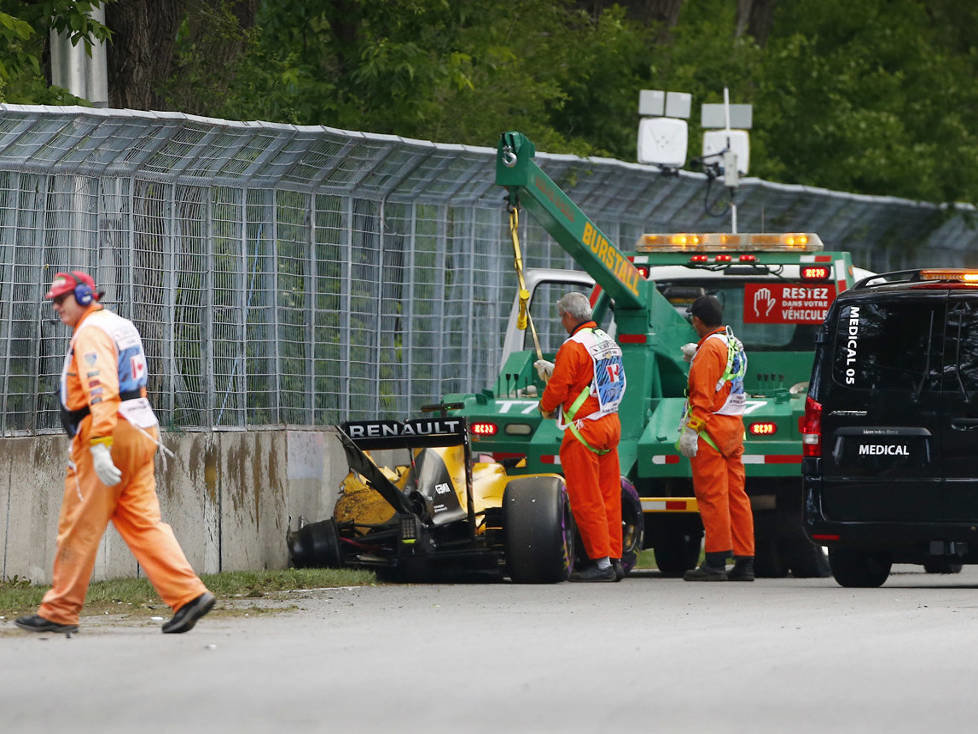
(811, 428)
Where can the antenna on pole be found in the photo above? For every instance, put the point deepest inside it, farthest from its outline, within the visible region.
(731, 146)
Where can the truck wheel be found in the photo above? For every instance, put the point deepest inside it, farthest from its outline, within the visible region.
(801, 556)
(942, 565)
(539, 530)
(316, 545)
(632, 525)
(768, 562)
(677, 547)
(859, 568)
(807, 560)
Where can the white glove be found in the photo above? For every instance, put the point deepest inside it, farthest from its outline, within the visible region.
(544, 368)
(108, 473)
(688, 442)
(688, 351)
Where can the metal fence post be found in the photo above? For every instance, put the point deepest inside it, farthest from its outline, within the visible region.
(347, 301)
(311, 297)
(277, 397)
(210, 382)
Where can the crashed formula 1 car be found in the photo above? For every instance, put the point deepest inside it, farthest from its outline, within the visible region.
(438, 513)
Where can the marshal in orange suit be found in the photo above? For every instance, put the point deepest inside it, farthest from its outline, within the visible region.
(586, 384)
(114, 435)
(712, 437)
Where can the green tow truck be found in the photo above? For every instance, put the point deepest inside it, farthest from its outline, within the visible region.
(775, 289)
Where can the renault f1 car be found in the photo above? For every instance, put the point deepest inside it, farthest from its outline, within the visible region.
(444, 514)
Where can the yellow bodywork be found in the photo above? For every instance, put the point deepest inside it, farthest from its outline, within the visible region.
(361, 504)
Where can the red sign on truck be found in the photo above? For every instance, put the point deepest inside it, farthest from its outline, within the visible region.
(787, 303)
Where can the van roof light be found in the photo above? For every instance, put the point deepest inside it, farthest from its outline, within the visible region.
(726, 242)
(960, 275)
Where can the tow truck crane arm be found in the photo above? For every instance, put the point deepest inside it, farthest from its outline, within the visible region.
(648, 327)
(529, 186)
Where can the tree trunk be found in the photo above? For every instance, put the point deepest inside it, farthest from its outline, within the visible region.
(140, 55)
(665, 12)
(755, 17)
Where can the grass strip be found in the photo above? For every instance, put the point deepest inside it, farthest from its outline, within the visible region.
(19, 596)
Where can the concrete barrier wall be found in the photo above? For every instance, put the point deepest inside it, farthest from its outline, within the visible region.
(230, 498)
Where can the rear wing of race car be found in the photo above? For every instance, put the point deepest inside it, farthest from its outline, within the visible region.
(360, 436)
(412, 433)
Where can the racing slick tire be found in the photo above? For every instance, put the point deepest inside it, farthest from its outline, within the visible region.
(316, 545)
(539, 530)
(855, 568)
(632, 525)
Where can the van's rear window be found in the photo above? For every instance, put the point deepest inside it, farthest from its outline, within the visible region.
(885, 345)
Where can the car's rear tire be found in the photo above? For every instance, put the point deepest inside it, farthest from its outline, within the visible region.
(854, 568)
(316, 545)
(942, 565)
(539, 530)
(632, 525)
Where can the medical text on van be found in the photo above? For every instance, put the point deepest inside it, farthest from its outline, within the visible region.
(852, 344)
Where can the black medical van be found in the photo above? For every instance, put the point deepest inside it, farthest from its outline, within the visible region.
(890, 432)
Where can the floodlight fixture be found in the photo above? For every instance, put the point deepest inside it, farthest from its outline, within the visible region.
(715, 116)
(651, 103)
(662, 141)
(663, 135)
(718, 142)
(656, 103)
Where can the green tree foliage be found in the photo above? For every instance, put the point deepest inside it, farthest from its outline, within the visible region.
(449, 70)
(24, 28)
(875, 96)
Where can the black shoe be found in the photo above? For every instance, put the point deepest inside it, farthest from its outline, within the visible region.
(619, 569)
(705, 573)
(743, 569)
(187, 615)
(593, 573)
(37, 623)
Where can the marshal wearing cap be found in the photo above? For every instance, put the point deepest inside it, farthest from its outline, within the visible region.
(78, 282)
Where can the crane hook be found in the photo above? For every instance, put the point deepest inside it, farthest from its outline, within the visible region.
(509, 157)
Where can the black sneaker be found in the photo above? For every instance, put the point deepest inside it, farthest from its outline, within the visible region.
(619, 569)
(705, 573)
(37, 623)
(593, 573)
(187, 615)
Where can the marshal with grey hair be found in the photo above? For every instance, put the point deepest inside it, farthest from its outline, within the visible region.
(576, 304)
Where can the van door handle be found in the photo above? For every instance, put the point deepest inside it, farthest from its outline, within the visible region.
(964, 424)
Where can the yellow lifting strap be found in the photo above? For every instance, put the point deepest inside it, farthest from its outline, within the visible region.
(524, 319)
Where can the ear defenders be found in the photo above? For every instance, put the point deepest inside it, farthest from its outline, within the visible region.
(83, 291)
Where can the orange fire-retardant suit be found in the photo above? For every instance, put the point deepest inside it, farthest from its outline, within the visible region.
(106, 354)
(593, 480)
(718, 471)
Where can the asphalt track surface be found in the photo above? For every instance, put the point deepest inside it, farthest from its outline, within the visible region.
(645, 655)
